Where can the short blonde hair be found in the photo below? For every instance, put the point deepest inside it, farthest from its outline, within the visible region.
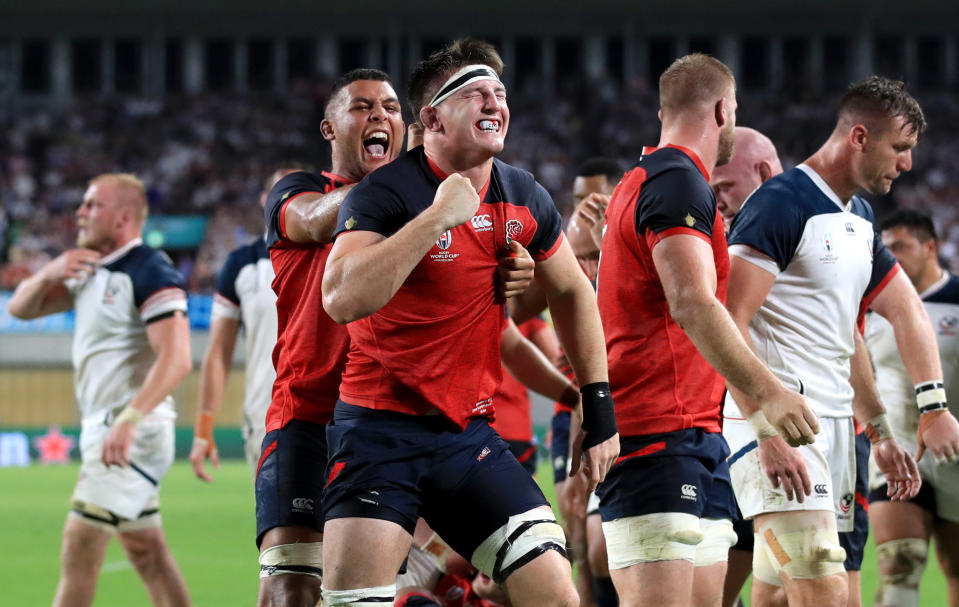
(132, 190)
(692, 81)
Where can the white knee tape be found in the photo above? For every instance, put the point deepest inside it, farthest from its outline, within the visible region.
(803, 545)
(377, 596)
(763, 569)
(524, 537)
(421, 570)
(302, 558)
(905, 559)
(718, 537)
(662, 536)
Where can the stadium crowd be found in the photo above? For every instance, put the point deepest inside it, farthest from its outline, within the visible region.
(206, 154)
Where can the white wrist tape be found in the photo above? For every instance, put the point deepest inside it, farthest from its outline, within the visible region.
(930, 396)
(129, 415)
(878, 429)
(761, 426)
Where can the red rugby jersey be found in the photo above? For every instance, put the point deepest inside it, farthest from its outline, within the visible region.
(435, 345)
(660, 381)
(513, 407)
(311, 348)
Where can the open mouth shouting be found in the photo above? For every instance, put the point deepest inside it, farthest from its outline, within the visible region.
(376, 144)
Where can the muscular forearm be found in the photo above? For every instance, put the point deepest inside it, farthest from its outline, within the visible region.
(917, 342)
(361, 281)
(866, 403)
(164, 376)
(580, 332)
(534, 370)
(32, 297)
(213, 377)
(312, 217)
(725, 347)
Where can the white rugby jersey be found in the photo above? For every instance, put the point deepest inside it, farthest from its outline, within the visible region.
(829, 263)
(892, 379)
(244, 292)
(131, 287)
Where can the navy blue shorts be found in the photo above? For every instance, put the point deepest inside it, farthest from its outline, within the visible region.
(289, 479)
(525, 453)
(397, 467)
(559, 446)
(854, 542)
(684, 471)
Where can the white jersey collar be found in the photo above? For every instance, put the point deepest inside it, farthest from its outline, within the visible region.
(822, 185)
(108, 259)
(936, 285)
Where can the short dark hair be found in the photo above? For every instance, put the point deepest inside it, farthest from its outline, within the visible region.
(601, 166)
(426, 77)
(918, 223)
(883, 98)
(362, 73)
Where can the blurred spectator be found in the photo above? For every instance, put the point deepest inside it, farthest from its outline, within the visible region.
(209, 153)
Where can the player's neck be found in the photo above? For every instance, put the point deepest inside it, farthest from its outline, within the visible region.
(699, 141)
(834, 167)
(930, 276)
(477, 170)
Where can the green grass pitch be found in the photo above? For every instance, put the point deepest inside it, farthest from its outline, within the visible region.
(210, 529)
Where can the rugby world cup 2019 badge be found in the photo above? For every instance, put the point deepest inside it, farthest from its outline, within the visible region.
(110, 293)
(443, 243)
(829, 245)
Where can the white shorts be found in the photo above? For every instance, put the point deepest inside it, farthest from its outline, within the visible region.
(942, 479)
(125, 491)
(830, 463)
(252, 446)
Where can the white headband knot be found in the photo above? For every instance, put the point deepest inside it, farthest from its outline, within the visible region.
(463, 77)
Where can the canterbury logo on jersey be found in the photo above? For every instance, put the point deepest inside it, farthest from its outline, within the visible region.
(688, 492)
(482, 223)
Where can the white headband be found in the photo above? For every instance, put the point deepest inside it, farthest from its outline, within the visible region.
(464, 76)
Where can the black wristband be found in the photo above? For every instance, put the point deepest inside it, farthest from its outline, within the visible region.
(599, 420)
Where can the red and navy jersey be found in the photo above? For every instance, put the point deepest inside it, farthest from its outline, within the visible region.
(513, 416)
(435, 344)
(311, 348)
(660, 381)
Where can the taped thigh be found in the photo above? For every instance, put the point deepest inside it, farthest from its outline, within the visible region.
(802, 545)
(302, 558)
(524, 537)
(718, 537)
(661, 536)
(95, 516)
(422, 570)
(377, 596)
(905, 560)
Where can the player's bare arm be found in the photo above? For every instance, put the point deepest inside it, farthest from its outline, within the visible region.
(899, 303)
(214, 371)
(365, 269)
(170, 340)
(533, 368)
(311, 217)
(572, 304)
(687, 272)
(896, 464)
(44, 293)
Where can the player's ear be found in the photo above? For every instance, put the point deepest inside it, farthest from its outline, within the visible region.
(326, 129)
(858, 136)
(429, 119)
(765, 171)
(719, 111)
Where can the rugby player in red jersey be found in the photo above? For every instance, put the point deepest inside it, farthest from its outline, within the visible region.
(410, 271)
(667, 501)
